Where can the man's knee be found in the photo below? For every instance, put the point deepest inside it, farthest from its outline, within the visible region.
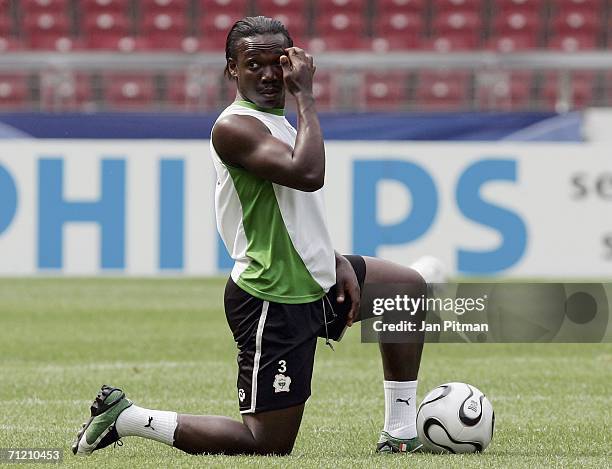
(274, 448)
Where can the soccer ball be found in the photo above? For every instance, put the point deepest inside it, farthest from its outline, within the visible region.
(455, 418)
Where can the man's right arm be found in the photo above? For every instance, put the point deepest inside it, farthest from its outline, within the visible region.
(246, 142)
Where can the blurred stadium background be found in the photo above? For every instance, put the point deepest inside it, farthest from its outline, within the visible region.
(373, 55)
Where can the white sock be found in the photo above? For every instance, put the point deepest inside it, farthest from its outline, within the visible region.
(431, 269)
(400, 409)
(158, 425)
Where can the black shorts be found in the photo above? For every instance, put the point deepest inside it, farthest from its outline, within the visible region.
(277, 342)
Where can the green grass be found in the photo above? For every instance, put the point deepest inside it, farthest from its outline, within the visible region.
(165, 341)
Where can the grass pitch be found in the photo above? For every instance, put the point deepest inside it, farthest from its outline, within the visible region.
(166, 343)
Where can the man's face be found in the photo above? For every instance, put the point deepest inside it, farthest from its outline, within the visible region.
(258, 71)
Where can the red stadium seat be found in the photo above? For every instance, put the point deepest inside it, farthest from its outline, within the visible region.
(46, 24)
(164, 6)
(107, 24)
(456, 31)
(406, 24)
(401, 6)
(230, 7)
(337, 43)
(512, 42)
(331, 7)
(384, 91)
(579, 5)
(442, 91)
(193, 91)
(66, 91)
(294, 22)
(397, 31)
(517, 22)
(213, 30)
(129, 92)
(464, 41)
(395, 42)
(8, 44)
(339, 31)
(105, 6)
(118, 43)
(14, 92)
(576, 22)
(470, 6)
(58, 43)
(270, 7)
(581, 89)
(534, 6)
(325, 91)
(44, 6)
(573, 42)
(504, 91)
(164, 30)
(5, 25)
(49, 31)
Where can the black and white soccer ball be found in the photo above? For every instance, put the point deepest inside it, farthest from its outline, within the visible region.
(455, 418)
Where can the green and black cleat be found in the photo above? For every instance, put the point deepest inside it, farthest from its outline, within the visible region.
(99, 431)
(388, 444)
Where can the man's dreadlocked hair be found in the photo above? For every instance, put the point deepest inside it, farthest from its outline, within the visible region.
(251, 26)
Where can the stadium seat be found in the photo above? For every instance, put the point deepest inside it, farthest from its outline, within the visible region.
(384, 91)
(212, 30)
(48, 31)
(91, 7)
(44, 6)
(441, 91)
(320, 44)
(397, 31)
(464, 41)
(294, 22)
(66, 91)
(14, 92)
(573, 42)
(164, 6)
(451, 23)
(118, 43)
(581, 89)
(579, 5)
(401, 6)
(229, 7)
(503, 91)
(8, 44)
(164, 30)
(395, 42)
(576, 22)
(325, 91)
(5, 25)
(406, 24)
(458, 6)
(46, 24)
(512, 43)
(534, 6)
(517, 22)
(270, 7)
(129, 91)
(340, 31)
(106, 30)
(106, 24)
(192, 91)
(332, 7)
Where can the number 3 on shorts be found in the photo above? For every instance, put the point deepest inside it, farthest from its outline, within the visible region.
(282, 366)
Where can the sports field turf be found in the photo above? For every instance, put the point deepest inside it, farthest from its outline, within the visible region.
(167, 344)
